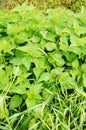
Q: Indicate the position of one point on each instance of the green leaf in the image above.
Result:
(58, 30)
(44, 77)
(31, 102)
(16, 71)
(37, 72)
(66, 81)
(27, 62)
(36, 88)
(32, 122)
(79, 30)
(50, 46)
(21, 37)
(40, 62)
(64, 39)
(35, 39)
(34, 97)
(83, 66)
(56, 57)
(23, 77)
(15, 101)
(76, 49)
(6, 46)
(48, 35)
(75, 73)
(56, 71)
(16, 61)
(75, 64)
(20, 88)
(84, 79)
(76, 41)
(13, 29)
(31, 49)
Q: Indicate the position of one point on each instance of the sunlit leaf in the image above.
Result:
(15, 101)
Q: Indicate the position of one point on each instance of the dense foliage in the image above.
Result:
(42, 69)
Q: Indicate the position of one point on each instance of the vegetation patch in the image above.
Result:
(42, 69)
(75, 5)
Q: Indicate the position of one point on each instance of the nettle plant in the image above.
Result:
(42, 69)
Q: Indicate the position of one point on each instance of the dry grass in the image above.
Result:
(75, 5)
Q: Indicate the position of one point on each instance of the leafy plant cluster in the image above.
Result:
(42, 69)
(75, 5)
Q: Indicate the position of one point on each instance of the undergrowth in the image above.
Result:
(42, 69)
